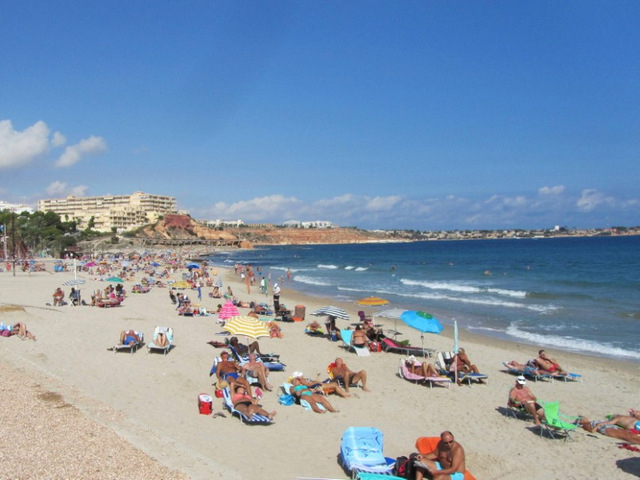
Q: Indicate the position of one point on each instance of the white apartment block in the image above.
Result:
(124, 212)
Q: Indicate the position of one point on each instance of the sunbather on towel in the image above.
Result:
(423, 369)
(20, 329)
(445, 462)
(548, 364)
(615, 430)
(340, 370)
(628, 422)
(305, 393)
(127, 337)
(243, 402)
(258, 370)
(521, 396)
(230, 371)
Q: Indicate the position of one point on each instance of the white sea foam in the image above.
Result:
(349, 267)
(488, 301)
(463, 288)
(329, 267)
(571, 343)
(311, 280)
(361, 269)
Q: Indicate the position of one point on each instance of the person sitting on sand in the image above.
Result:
(340, 371)
(20, 329)
(618, 427)
(423, 369)
(58, 297)
(305, 393)
(548, 364)
(322, 387)
(461, 363)
(445, 462)
(173, 298)
(129, 337)
(258, 370)
(243, 402)
(359, 338)
(230, 371)
(243, 349)
(521, 397)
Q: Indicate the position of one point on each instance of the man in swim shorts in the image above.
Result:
(128, 337)
(521, 396)
(548, 364)
(230, 371)
(445, 462)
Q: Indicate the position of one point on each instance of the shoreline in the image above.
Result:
(149, 400)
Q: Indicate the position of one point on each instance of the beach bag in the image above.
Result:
(401, 467)
(286, 399)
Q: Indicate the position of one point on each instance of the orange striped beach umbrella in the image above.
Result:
(373, 301)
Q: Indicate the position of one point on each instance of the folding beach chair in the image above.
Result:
(557, 424)
(257, 419)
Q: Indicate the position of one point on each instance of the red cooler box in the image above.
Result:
(205, 404)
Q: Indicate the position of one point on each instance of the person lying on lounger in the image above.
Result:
(128, 337)
(243, 402)
(423, 369)
(318, 386)
(341, 371)
(243, 349)
(305, 393)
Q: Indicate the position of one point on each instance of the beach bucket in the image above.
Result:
(205, 404)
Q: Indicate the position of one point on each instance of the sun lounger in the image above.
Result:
(168, 331)
(346, 339)
(361, 450)
(390, 345)
(256, 419)
(404, 372)
(443, 362)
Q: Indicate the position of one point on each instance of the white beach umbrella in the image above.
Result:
(331, 311)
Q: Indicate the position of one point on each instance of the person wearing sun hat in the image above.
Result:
(521, 397)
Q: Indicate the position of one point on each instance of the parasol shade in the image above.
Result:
(422, 321)
(248, 326)
(331, 311)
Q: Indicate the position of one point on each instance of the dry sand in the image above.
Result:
(72, 409)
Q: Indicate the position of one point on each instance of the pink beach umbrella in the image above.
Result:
(228, 310)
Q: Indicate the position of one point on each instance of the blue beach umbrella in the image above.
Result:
(421, 321)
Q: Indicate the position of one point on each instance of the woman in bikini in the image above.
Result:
(423, 369)
(304, 393)
(243, 402)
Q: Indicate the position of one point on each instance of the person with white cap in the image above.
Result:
(520, 396)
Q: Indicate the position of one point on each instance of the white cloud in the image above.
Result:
(56, 189)
(21, 148)
(383, 203)
(256, 209)
(57, 140)
(74, 153)
(592, 199)
(557, 190)
(61, 189)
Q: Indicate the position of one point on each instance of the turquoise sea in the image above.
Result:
(574, 294)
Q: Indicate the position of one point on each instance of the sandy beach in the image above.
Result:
(71, 408)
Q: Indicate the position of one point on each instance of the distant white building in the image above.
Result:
(123, 212)
(223, 223)
(15, 207)
(314, 224)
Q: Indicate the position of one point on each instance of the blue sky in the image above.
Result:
(423, 115)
